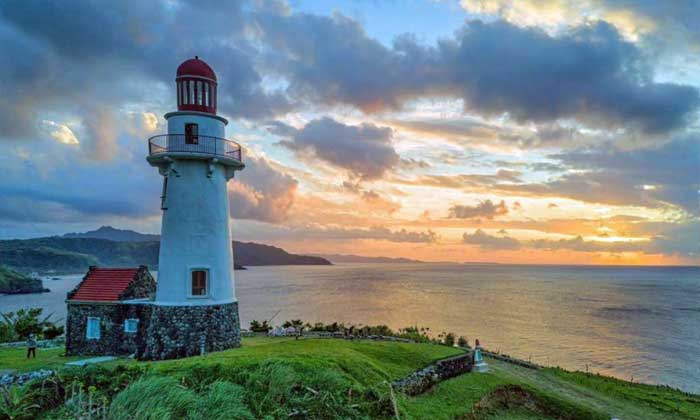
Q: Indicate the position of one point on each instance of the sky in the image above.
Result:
(552, 131)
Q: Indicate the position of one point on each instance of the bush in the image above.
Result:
(449, 340)
(18, 325)
(256, 326)
(52, 331)
(462, 342)
(16, 403)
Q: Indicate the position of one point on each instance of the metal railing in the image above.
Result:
(206, 145)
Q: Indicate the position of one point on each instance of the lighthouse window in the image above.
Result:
(191, 133)
(199, 282)
(199, 93)
(206, 94)
(190, 99)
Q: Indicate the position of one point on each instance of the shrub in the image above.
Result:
(52, 331)
(18, 325)
(462, 342)
(256, 326)
(16, 403)
(449, 340)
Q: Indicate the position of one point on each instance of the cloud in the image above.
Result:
(588, 73)
(655, 177)
(375, 233)
(486, 241)
(637, 20)
(486, 209)
(669, 238)
(365, 151)
(262, 192)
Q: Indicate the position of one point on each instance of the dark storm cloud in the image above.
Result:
(590, 74)
(365, 151)
(486, 209)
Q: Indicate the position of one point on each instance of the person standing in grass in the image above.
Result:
(31, 346)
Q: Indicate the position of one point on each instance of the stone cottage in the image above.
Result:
(108, 312)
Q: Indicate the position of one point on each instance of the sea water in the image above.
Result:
(640, 323)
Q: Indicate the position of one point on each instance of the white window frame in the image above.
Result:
(133, 322)
(90, 333)
(207, 290)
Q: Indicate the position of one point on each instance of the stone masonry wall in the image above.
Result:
(143, 286)
(113, 339)
(420, 381)
(182, 331)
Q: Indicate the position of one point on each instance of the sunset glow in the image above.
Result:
(495, 131)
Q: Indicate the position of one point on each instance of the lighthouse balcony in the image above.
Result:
(186, 146)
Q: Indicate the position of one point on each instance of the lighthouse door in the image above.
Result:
(191, 133)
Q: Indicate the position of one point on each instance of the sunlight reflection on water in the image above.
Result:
(640, 322)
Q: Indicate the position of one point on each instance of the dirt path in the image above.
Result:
(618, 409)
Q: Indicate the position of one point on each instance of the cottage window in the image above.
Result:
(92, 332)
(131, 325)
(199, 282)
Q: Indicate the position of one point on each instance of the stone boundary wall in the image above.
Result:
(511, 360)
(422, 380)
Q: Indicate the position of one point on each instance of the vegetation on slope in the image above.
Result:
(12, 282)
(283, 378)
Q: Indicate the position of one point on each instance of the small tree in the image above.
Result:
(256, 326)
(18, 325)
(462, 342)
(449, 340)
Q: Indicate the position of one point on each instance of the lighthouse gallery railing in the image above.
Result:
(206, 145)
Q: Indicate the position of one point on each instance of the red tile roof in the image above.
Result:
(105, 284)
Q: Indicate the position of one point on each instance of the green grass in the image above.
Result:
(364, 362)
(331, 378)
(14, 359)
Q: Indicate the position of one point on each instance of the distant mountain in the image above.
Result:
(113, 234)
(340, 258)
(75, 253)
(250, 253)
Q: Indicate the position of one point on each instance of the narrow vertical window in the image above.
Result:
(206, 94)
(92, 330)
(191, 133)
(199, 282)
(191, 100)
(199, 92)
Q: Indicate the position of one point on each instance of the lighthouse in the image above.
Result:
(195, 308)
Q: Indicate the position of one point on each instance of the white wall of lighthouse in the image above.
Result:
(195, 232)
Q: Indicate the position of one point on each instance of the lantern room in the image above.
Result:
(196, 86)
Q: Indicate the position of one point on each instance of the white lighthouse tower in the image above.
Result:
(195, 308)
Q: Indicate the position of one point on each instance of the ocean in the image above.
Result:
(639, 323)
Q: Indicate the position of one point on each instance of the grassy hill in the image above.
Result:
(12, 282)
(280, 378)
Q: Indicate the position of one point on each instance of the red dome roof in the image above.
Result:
(196, 67)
